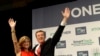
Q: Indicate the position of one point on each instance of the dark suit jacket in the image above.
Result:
(47, 49)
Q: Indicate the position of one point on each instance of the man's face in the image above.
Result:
(40, 37)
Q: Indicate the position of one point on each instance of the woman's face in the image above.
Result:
(26, 44)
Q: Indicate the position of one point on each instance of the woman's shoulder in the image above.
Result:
(18, 54)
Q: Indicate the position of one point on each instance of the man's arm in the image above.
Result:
(61, 27)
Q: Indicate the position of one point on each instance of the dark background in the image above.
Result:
(23, 15)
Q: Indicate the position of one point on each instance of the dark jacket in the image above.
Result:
(47, 49)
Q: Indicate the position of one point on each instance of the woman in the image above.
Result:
(22, 48)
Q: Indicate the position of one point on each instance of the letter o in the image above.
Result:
(73, 12)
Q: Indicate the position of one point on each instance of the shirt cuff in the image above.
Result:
(63, 23)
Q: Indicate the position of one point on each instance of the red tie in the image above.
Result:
(39, 50)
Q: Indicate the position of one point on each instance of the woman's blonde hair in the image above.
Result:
(22, 40)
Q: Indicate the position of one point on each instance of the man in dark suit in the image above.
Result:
(46, 48)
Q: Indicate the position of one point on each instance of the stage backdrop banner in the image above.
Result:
(77, 39)
(81, 36)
